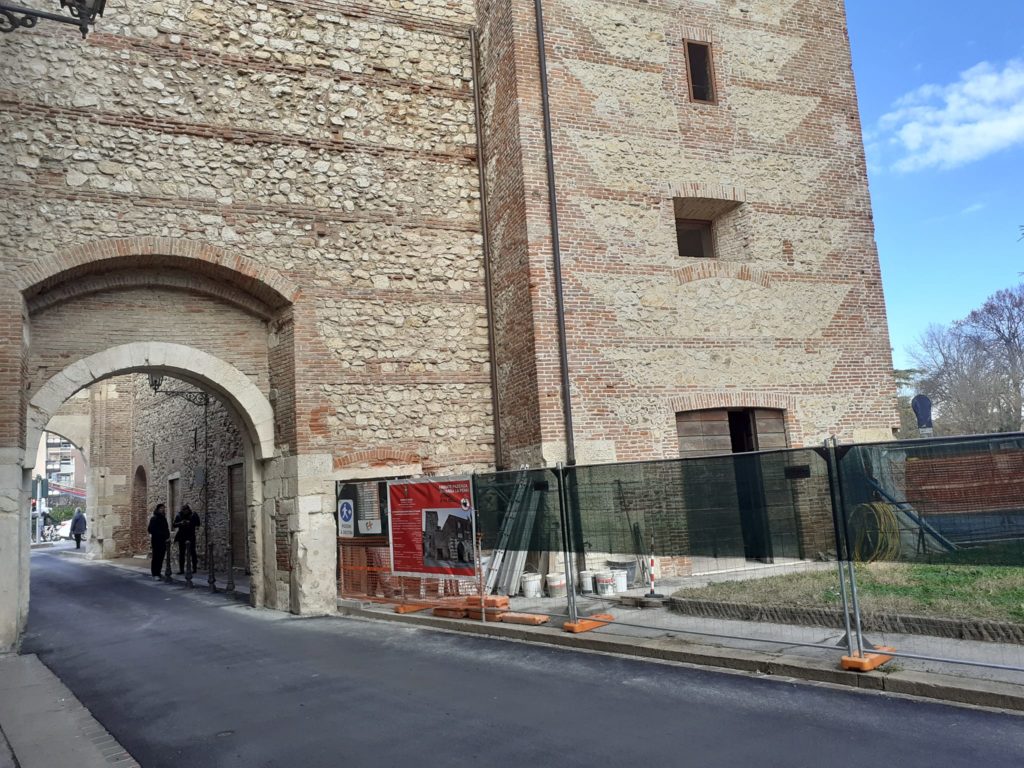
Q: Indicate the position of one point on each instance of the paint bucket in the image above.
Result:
(605, 582)
(586, 582)
(530, 585)
(556, 584)
(629, 566)
(621, 580)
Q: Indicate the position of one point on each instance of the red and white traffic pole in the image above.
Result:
(650, 570)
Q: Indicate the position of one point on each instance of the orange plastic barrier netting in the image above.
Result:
(364, 573)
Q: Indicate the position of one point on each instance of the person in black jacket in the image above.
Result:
(159, 533)
(186, 523)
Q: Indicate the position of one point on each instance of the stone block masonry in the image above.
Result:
(330, 141)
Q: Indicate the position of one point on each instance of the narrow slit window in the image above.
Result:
(699, 68)
(694, 239)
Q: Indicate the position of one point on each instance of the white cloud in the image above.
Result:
(974, 208)
(947, 126)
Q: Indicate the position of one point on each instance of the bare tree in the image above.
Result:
(998, 326)
(968, 384)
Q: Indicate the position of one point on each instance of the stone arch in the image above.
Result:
(139, 515)
(177, 360)
(72, 432)
(110, 255)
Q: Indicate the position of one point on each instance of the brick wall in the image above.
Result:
(334, 144)
(790, 310)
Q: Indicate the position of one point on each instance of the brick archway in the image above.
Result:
(107, 255)
(177, 360)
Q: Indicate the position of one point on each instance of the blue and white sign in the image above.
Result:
(346, 518)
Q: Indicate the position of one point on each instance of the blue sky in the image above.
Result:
(941, 90)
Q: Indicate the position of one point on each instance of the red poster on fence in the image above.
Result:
(433, 527)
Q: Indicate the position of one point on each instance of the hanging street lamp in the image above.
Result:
(83, 15)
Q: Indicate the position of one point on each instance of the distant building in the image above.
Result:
(64, 471)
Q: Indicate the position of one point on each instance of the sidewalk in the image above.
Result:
(140, 565)
(43, 725)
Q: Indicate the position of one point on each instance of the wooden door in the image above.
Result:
(239, 523)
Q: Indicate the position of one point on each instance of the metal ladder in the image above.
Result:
(507, 526)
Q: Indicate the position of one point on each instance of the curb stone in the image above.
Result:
(945, 688)
(955, 629)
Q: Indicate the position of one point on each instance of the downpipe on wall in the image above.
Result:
(481, 166)
(556, 250)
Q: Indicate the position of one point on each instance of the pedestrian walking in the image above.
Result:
(185, 523)
(78, 525)
(159, 533)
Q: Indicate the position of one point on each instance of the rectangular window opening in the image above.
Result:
(694, 239)
(699, 68)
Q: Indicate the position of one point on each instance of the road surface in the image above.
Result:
(191, 679)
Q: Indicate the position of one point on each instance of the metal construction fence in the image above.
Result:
(917, 546)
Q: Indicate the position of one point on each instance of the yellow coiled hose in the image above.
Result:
(875, 532)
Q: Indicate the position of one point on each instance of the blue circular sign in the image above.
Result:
(345, 510)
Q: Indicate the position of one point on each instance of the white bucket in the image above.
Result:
(587, 582)
(621, 580)
(556, 584)
(530, 585)
(605, 582)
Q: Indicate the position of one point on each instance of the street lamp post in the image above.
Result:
(83, 15)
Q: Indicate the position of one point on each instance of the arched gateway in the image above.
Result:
(195, 315)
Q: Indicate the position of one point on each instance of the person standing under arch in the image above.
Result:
(159, 533)
(78, 526)
(185, 523)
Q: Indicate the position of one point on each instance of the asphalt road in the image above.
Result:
(190, 679)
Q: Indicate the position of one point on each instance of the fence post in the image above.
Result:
(849, 552)
(211, 578)
(230, 587)
(832, 465)
(190, 547)
(563, 512)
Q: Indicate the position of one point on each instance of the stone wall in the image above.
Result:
(171, 439)
(330, 142)
(108, 487)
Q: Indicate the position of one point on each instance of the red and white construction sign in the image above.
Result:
(433, 527)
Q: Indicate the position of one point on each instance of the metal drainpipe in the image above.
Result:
(556, 250)
(481, 163)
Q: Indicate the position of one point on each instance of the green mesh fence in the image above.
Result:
(759, 506)
(957, 502)
(518, 510)
(755, 506)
